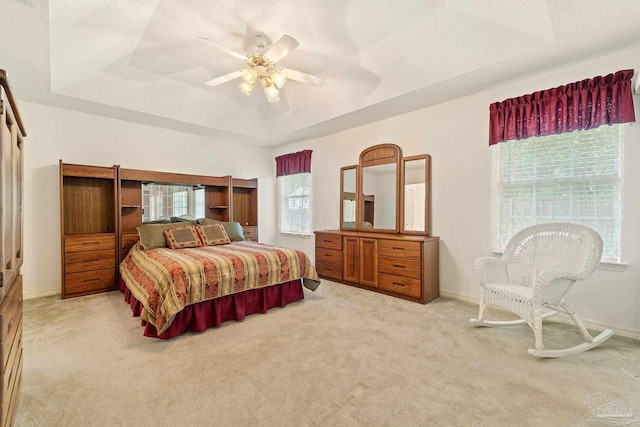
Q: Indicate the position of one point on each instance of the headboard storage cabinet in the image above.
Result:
(101, 208)
(225, 198)
(383, 243)
(12, 136)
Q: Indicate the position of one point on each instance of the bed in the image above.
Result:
(174, 290)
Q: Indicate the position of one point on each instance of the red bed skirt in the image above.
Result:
(211, 313)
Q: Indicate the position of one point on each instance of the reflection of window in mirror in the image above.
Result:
(379, 187)
(163, 201)
(349, 211)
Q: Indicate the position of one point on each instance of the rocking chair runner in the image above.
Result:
(537, 269)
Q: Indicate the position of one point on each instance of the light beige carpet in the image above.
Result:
(341, 357)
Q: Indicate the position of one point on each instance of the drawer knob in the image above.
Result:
(398, 284)
(10, 324)
(91, 260)
(398, 266)
(91, 280)
(398, 249)
(91, 243)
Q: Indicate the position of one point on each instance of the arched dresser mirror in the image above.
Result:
(379, 178)
(383, 243)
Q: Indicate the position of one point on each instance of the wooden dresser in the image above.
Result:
(12, 136)
(404, 266)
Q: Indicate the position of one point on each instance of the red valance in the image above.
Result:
(582, 105)
(293, 163)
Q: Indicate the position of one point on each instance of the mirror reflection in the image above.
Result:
(161, 202)
(379, 196)
(415, 192)
(349, 198)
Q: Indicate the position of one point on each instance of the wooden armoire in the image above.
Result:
(12, 136)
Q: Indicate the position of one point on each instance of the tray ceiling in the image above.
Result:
(141, 60)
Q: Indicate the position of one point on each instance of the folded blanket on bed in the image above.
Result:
(166, 280)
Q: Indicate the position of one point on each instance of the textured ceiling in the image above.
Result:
(141, 60)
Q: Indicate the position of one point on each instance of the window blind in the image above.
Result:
(295, 206)
(571, 177)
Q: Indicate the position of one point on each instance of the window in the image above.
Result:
(199, 202)
(180, 203)
(295, 206)
(571, 177)
(162, 201)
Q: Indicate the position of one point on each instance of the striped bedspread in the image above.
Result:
(166, 280)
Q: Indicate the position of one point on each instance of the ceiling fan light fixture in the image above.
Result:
(262, 67)
(249, 76)
(271, 91)
(278, 77)
(246, 88)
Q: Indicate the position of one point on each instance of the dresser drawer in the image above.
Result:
(328, 255)
(14, 364)
(12, 391)
(10, 322)
(251, 233)
(91, 260)
(399, 249)
(89, 281)
(126, 243)
(128, 240)
(89, 242)
(329, 241)
(330, 270)
(400, 266)
(400, 285)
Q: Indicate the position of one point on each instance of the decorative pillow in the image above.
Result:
(182, 237)
(234, 229)
(213, 234)
(152, 235)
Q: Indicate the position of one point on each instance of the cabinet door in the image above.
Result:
(350, 256)
(369, 262)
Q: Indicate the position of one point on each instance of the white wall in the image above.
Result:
(54, 134)
(455, 134)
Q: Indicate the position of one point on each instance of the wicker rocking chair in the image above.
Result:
(538, 267)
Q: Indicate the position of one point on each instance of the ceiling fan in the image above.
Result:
(263, 67)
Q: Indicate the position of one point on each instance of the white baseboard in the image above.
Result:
(561, 317)
(41, 294)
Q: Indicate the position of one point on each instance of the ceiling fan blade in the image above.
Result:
(224, 49)
(223, 79)
(281, 48)
(303, 77)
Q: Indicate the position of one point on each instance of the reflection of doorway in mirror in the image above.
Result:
(414, 206)
(349, 210)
